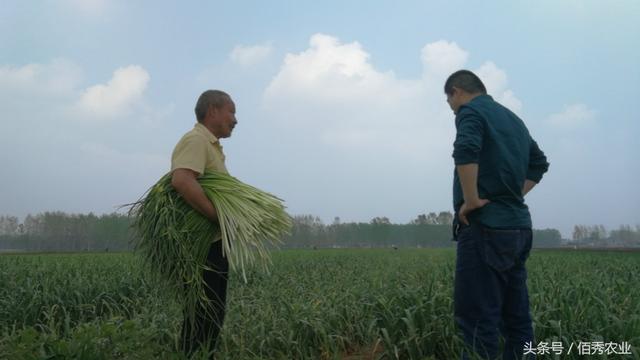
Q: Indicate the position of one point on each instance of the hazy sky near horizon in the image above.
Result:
(340, 104)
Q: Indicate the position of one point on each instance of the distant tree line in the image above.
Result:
(309, 231)
(426, 230)
(597, 236)
(59, 231)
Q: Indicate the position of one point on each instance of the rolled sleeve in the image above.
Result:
(538, 164)
(468, 143)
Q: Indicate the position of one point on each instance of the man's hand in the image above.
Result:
(468, 174)
(468, 207)
(528, 185)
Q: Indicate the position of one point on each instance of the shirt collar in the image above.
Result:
(482, 97)
(208, 134)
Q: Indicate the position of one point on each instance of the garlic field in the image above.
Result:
(322, 304)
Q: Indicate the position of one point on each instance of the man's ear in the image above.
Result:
(212, 111)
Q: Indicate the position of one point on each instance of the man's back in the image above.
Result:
(497, 140)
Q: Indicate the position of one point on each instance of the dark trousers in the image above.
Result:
(204, 331)
(490, 293)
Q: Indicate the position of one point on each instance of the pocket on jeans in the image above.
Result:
(466, 236)
(467, 252)
(500, 248)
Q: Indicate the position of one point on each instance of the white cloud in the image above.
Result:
(328, 71)
(250, 55)
(117, 96)
(495, 79)
(32, 98)
(58, 78)
(441, 58)
(573, 117)
(40, 105)
(53, 91)
(355, 130)
(333, 89)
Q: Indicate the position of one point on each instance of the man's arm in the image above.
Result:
(538, 165)
(468, 174)
(466, 154)
(185, 181)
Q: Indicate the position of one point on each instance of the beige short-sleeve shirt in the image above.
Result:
(198, 150)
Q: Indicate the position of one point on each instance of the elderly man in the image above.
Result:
(496, 164)
(197, 151)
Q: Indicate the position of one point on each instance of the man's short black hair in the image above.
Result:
(215, 98)
(465, 80)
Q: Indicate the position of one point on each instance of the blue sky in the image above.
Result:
(340, 106)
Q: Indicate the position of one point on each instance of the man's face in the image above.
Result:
(454, 100)
(224, 119)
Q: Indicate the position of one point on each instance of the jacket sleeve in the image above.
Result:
(538, 164)
(468, 143)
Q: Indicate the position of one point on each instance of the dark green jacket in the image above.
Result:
(493, 137)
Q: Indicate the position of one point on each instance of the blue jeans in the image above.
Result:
(490, 293)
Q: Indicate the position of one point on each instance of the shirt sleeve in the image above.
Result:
(468, 143)
(190, 153)
(538, 164)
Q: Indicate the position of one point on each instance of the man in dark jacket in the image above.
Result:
(496, 164)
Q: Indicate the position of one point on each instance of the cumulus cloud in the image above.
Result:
(441, 58)
(332, 90)
(377, 133)
(116, 96)
(328, 71)
(495, 79)
(374, 131)
(250, 55)
(54, 90)
(40, 105)
(573, 117)
(60, 77)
